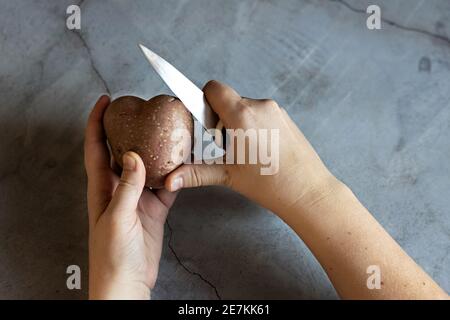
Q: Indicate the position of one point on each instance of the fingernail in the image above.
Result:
(177, 184)
(129, 163)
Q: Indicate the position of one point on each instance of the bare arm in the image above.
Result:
(325, 214)
(350, 245)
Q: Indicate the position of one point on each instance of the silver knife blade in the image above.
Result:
(191, 96)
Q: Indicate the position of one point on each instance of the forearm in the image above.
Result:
(346, 240)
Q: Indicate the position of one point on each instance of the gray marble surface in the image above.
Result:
(375, 104)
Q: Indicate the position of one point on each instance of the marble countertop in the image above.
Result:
(374, 103)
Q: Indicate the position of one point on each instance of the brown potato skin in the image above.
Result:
(133, 124)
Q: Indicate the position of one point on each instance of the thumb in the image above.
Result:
(191, 175)
(129, 190)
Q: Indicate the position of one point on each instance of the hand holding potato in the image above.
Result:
(126, 221)
(146, 127)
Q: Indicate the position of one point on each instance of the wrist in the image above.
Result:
(117, 288)
(321, 188)
(320, 208)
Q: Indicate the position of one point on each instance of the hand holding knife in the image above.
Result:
(192, 97)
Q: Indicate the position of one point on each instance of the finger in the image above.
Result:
(96, 155)
(188, 176)
(131, 184)
(153, 210)
(223, 99)
(166, 197)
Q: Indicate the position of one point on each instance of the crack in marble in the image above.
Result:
(170, 245)
(91, 61)
(397, 25)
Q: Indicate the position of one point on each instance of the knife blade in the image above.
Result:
(191, 96)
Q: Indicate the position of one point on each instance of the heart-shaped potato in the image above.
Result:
(146, 127)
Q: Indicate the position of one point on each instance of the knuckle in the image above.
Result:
(250, 116)
(244, 110)
(245, 102)
(270, 103)
(124, 183)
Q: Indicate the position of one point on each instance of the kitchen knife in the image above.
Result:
(192, 97)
